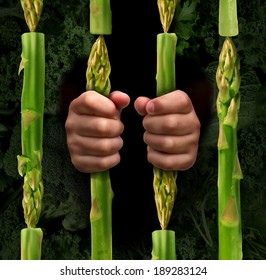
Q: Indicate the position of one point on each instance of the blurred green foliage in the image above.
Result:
(66, 229)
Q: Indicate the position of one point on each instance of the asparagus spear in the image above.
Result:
(229, 170)
(164, 183)
(32, 110)
(100, 17)
(97, 76)
(163, 245)
(228, 23)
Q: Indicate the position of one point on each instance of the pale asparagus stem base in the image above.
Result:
(164, 247)
(229, 170)
(228, 22)
(97, 76)
(101, 216)
(31, 243)
(100, 17)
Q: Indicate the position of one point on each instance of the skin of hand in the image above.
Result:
(93, 129)
(172, 130)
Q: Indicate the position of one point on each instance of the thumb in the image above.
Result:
(120, 99)
(141, 105)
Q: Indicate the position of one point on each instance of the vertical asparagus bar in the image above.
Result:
(228, 22)
(97, 76)
(229, 170)
(100, 17)
(101, 192)
(163, 245)
(32, 110)
(164, 182)
(228, 104)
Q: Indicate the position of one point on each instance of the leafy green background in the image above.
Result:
(66, 234)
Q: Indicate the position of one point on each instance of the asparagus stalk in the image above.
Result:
(163, 245)
(97, 76)
(228, 23)
(32, 110)
(101, 17)
(164, 183)
(229, 170)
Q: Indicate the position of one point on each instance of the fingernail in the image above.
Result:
(150, 107)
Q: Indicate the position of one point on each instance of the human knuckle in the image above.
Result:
(197, 124)
(187, 162)
(166, 165)
(71, 144)
(146, 137)
(118, 129)
(167, 144)
(102, 126)
(109, 146)
(108, 162)
(69, 124)
(72, 106)
(77, 163)
(184, 100)
(102, 164)
(171, 124)
(192, 142)
(104, 146)
(90, 98)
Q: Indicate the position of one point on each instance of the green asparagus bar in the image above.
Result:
(166, 53)
(229, 170)
(31, 236)
(163, 245)
(164, 182)
(100, 17)
(32, 110)
(32, 107)
(97, 75)
(228, 23)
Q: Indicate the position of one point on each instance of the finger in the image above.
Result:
(120, 99)
(93, 103)
(92, 126)
(140, 105)
(173, 124)
(85, 146)
(90, 164)
(164, 161)
(172, 144)
(173, 102)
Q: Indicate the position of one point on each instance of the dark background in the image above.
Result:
(66, 203)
